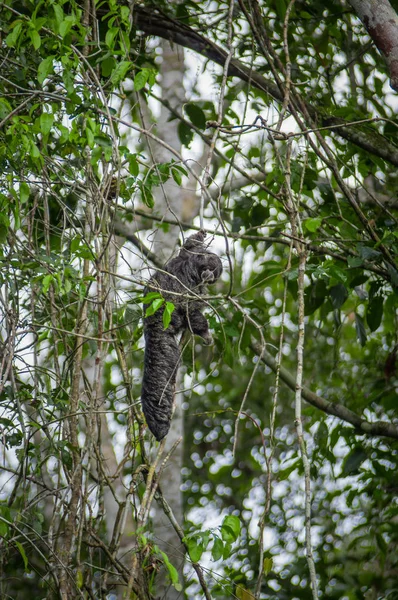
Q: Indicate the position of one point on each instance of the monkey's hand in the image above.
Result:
(208, 276)
(208, 339)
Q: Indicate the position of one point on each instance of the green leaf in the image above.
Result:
(46, 122)
(176, 176)
(195, 549)
(79, 579)
(227, 550)
(59, 13)
(322, 433)
(107, 66)
(66, 25)
(154, 307)
(360, 329)
(230, 528)
(133, 165)
(45, 68)
(149, 297)
(393, 274)
(35, 39)
(338, 295)
(110, 36)
(218, 549)
(3, 529)
(353, 461)
(316, 297)
(196, 115)
(5, 108)
(168, 311)
(280, 6)
(243, 594)
(23, 554)
(12, 37)
(140, 79)
(313, 224)
(268, 564)
(147, 196)
(172, 572)
(368, 253)
(46, 283)
(125, 13)
(374, 313)
(103, 140)
(185, 134)
(354, 261)
(24, 191)
(285, 472)
(121, 70)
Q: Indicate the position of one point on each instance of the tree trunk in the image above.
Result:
(381, 22)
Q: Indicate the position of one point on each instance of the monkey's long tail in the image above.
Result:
(161, 361)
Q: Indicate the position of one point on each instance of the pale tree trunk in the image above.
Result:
(170, 201)
(381, 22)
(104, 464)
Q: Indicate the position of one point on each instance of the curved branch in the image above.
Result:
(381, 22)
(125, 230)
(379, 428)
(153, 22)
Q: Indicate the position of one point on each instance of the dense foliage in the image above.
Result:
(289, 109)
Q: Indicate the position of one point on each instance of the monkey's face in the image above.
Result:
(209, 267)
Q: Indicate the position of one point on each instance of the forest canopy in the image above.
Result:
(125, 127)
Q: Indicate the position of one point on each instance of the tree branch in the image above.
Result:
(153, 22)
(379, 428)
(381, 22)
(125, 230)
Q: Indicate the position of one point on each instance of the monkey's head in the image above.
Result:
(203, 266)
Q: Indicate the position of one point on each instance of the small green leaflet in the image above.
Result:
(35, 39)
(196, 115)
(172, 571)
(147, 196)
(79, 579)
(353, 461)
(110, 36)
(360, 329)
(12, 37)
(168, 311)
(66, 25)
(338, 295)
(24, 191)
(268, 563)
(195, 549)
(149, 297)
(218, 548)
(313, 224)
(45, 68)
(47, 280)
(374, 313)
(176, 171)
(46, 122)
(230, 528)
(120, 72)
(185, 134)
(23, 554)
(144, 76)
(152, 308)
(3, 529)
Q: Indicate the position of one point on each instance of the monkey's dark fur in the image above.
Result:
(185, 275)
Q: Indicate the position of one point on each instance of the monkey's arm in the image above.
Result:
(198, 325)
